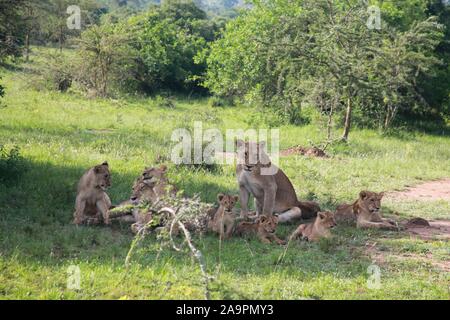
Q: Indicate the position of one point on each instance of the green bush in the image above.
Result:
(59, 72)
(12, 164)
(164, 102)
(218, 102)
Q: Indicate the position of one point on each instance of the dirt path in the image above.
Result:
(427, 191)
(431, 190)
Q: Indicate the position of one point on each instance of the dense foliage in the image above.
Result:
(286, 54)
(282, 55)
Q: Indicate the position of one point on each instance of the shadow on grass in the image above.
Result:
(35, 227)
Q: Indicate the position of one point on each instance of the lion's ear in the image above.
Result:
(321, 215)
(236, 198)
(220, 196)
(263, 219)
(105, 164)
(363, 194)
(381, 195)
(97, 169)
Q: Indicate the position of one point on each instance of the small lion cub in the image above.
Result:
(222, 220)
(264, 227)
(320, 228)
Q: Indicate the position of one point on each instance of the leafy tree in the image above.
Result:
(284, 54)
(167, 39)
(104, 57)
(11, 27)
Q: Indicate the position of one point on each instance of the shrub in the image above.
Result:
(59, 72)
(164, 102)
(217, 101)
(12, 164)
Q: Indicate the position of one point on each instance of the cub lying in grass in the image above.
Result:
(317, 230)
(222, 220)
(264, 227)
(366, 212)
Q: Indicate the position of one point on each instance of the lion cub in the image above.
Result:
(366, 212)
(92, 203)
(264, 226)
(222, 220)
(320, 228)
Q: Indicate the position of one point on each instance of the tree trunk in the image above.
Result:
(27, 46)
(60, 39)
(348, 120)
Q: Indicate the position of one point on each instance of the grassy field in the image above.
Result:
(61, 135)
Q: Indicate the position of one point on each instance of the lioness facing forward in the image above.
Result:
(92, 203)
(271, 188)
(366, 212)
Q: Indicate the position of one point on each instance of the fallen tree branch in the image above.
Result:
(197, 253)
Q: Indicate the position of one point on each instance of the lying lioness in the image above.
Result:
(366, 212)
(320, 228)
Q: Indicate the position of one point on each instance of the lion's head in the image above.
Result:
(227, 201)
(143, 186)
(142, 190)
(326, 219)
(269, 224)
(370, 201)
(102, 176)
(154, 175)
(252, 154)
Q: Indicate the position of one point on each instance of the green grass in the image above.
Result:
(61, 135)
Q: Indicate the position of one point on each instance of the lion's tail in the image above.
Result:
(309, 209)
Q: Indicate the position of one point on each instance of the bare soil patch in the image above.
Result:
(437, 229)
(428, 191)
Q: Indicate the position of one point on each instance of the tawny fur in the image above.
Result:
(264, 227)
(150, 186)
(366, 212)
(317, 230)
(222, 220)
(270, 187)
(92, 203)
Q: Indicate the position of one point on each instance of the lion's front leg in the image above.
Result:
(258, 207)
(273, 237)
(80, 207)
(375, 225)
(269, 200)
(263, 239)
(298, 232)
(244, 196)
(103, 208)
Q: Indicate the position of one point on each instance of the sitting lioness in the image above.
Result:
(264, 227)
(270, 187)
(222, 220)
(317, 230)
(92, 203)
(366, 212)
